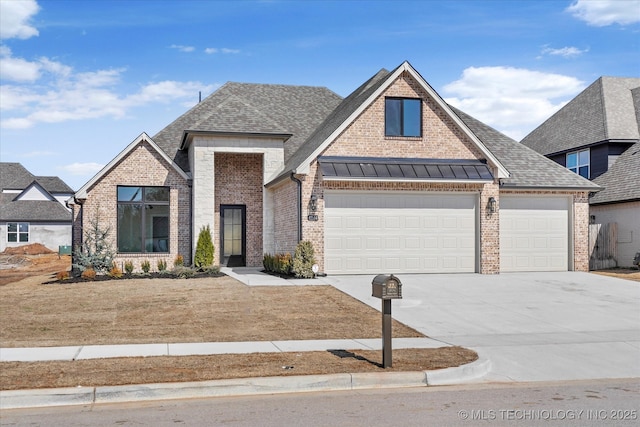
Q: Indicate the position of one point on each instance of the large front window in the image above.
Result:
(143, 219)
(402, 117)
(18, 232)
(578, 162)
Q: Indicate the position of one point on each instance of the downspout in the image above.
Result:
(299, 205)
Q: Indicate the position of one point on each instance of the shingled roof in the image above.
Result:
(292, 112)
(622, 181)
(603, 111)
(528, 168)
(14, 177)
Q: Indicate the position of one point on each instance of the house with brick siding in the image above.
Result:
(389, 179)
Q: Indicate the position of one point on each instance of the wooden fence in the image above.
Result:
(603, 246)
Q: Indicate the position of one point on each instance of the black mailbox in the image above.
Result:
(386, 286)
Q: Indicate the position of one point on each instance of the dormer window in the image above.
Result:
(403, 117)
(578, 162)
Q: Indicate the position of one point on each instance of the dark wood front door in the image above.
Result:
(233, 235)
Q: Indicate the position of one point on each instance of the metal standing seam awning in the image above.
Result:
(404, 169)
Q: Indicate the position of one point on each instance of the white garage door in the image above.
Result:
(369, 233)
(534, 233)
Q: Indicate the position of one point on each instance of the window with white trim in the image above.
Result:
(18, 232)
(578, 162)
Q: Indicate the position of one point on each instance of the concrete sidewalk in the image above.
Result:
(70, 353)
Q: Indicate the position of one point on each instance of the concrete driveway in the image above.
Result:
(532, 326)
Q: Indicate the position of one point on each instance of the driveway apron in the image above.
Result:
(532, 326)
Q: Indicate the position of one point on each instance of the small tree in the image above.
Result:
(96, 252)
(204, 249)
(303, 260)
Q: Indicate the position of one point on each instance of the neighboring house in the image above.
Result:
(619, 203)
(389, 179)
(589, 133)
(588, 136)
(32, 209)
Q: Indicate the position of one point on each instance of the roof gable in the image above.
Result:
(34, 191)
(352, 106)
(603, 111)
(282, 110)
(142, 138)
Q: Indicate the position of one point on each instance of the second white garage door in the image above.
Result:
(534, 233)
(370, 233)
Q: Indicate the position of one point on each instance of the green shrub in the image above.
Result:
(146, 266)
(162, 265)
(204, 249)
(303, 260)
(128, 267)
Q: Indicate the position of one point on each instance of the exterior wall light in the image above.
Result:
(491, 205)
(313, 203)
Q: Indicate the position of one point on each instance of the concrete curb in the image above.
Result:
(241, 386)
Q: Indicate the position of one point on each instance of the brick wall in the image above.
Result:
(581, 231)
(238, 181)
(142, 166)
(286, 216)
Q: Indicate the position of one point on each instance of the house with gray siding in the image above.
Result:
(389, 179)
(32, 209)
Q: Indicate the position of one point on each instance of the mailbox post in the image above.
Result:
(386, 287)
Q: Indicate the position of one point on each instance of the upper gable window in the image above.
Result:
(402, 117)
(578, 162)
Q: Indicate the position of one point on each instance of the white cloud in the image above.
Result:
(182, 48)
(14, 19)
(513, 100)
(61, 95)
(600, 13)
(225, 50)
(566, 52)
(82, 169)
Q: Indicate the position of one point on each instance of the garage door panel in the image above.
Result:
(401, 232)
(534, 233)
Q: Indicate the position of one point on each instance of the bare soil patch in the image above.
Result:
(34, 314)
(621, 273)
(36, 268)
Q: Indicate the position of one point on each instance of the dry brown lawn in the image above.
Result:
(621, 273)
(34, 314)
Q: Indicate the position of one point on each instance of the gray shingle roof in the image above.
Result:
(622, 181)
(603, 111)
(252, 108)
(528, 169)
(32, 210)
(14, 176)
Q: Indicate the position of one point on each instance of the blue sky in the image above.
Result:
(81, 79)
